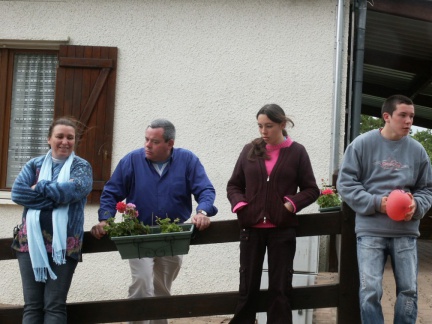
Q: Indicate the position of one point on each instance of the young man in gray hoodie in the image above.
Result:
(375, 164)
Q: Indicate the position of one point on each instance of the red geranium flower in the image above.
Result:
(328, 197)
(121, 207)
(327, 192)
(130, 224)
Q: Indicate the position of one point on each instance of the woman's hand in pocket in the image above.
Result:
(289, 206)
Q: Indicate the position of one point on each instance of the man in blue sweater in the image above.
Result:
(160, 180)
(375, 164)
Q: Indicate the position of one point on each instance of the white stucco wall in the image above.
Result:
(208, 66)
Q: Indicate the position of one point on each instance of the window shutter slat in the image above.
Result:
(85, 62)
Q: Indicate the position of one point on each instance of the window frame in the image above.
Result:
(7, 58)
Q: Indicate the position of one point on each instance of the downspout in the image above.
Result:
(358, 71)
(335, 139)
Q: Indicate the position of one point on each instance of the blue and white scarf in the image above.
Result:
(37, 249)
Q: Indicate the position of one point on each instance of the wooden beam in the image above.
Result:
(396, 62)
(180, 306)
(218, 232)
(414, 9)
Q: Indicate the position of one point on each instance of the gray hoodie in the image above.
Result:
(374, 166)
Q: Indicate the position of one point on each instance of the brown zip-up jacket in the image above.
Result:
(291, 177)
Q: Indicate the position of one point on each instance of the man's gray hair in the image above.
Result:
(168, 127)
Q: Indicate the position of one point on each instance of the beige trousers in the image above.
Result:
(152, 277)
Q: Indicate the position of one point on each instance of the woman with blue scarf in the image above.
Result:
(53, 190)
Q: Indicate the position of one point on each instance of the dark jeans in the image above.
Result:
(281, 246)
(45, 302)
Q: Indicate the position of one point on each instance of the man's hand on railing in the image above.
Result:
(98, 230)
(201, 221)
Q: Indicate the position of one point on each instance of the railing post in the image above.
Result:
(349, 307)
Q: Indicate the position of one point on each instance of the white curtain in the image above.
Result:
(32, 109)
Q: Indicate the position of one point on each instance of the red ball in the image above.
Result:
(398, 203)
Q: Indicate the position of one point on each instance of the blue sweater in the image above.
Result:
(374, 166)
(170, 194)
(48, 195)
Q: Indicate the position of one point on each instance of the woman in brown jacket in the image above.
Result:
(272, 181)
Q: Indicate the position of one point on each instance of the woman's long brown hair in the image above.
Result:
(276, 114)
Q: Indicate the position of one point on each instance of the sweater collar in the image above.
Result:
(287, 143)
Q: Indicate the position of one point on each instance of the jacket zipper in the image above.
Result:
(265, 218)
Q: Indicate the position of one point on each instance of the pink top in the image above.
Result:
(273, 153)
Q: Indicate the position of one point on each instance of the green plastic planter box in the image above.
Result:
(329, 209)
(155, 244)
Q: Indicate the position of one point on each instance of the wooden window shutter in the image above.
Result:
(85, 89)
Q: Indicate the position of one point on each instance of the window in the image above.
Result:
(37, 86)
(32, 109)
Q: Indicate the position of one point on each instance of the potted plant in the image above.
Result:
(329, 199)
(136, 240)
